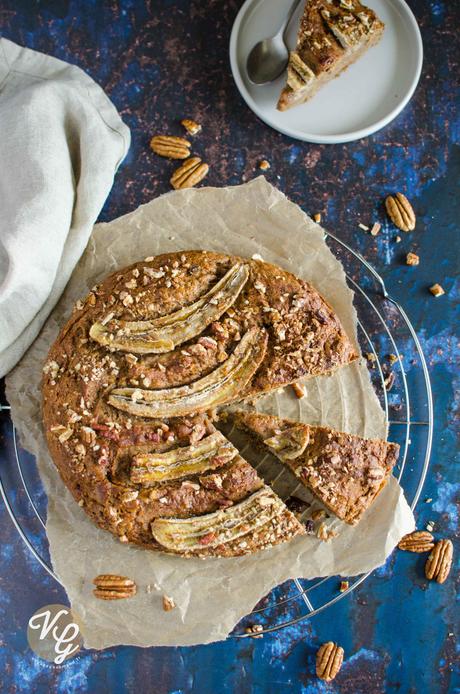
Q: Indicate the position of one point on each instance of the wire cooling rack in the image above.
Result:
(383, 329)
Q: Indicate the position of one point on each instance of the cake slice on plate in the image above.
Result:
(345, 472)
(332, 35)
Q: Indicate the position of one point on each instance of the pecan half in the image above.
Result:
(329, 660)
(438, 564)
(189, 174)
(400, 212)
(170, 146)
(418, 541)
(113, 587)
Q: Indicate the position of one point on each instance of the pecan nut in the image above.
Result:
(191, 126)
(437, 290)
(438, 564)
(329, 660)
(418, 541)
(189, 174)
(170, 146)
(113, 587)
(299, 390)
(400, 212)
(168, 603)
(412, 259)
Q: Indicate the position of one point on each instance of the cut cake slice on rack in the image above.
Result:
(345, 472)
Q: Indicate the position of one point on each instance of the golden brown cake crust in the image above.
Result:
(93, 443)
(345, 472)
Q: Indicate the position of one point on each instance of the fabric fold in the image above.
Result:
(61, 142)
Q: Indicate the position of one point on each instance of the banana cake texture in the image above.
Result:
(133, 382)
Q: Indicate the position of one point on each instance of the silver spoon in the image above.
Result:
(269, 58)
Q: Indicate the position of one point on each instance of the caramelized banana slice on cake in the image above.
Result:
(290, 443)
(165, 333)
(209, 453)
(222, 385)
(251, 518)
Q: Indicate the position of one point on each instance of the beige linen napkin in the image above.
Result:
(61, 142)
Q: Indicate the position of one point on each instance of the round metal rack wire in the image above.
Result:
(403, 386)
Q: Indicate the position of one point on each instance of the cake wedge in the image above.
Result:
(345, 472)
(332, 35)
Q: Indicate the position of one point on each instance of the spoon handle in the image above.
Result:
(285, 24)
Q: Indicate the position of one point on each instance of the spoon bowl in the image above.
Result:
(267, 60)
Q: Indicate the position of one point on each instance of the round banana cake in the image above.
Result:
(135, 381)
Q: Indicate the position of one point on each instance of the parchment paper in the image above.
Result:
(211, 595)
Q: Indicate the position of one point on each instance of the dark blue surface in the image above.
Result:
(162, 61)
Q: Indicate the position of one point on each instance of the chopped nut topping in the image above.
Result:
(344, 585)
(318, 514)
(317, 217)
(412, 259)
(389, 381)
(437, 290)
(191, 126)
(375, 229)
(363, 226)
(264, 165)
(168, 603)
(64, 433)
(260, 287)
(255, 630)
(322, 532)
(299, 390)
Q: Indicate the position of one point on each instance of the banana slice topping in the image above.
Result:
(222, 385)
(210, 453)
(290, 443)
(165, 333)
(220, 527)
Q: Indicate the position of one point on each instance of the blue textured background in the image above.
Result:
(165, 60)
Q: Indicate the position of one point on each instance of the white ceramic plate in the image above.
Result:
(363, 99)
